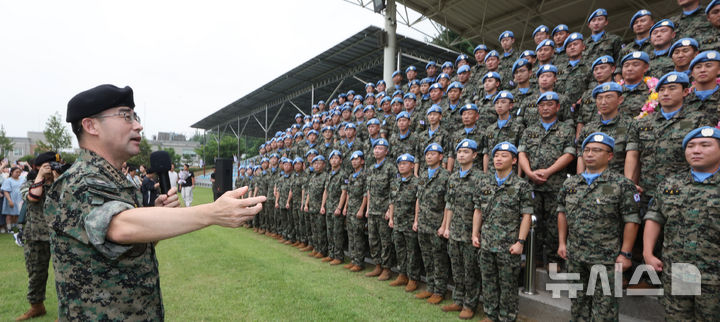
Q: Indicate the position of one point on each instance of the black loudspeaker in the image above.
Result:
(223, 175)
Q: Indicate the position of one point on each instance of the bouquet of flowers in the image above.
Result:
(652, 101)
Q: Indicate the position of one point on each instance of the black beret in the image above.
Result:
(47, 157)
(98, 99)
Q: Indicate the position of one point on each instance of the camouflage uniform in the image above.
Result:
(661, 152)
(623, 129)
(511, 132)
(95, 278)
(299, 217)
(476, 134)
(693, 25)
(239, 181)
(596, 215)
(260, 219)
(463, 256)
(334, 186)
(346, 150)
(633, 46)
(451, 118)
(324, 148)
(400, 145)
(379, 177)
(660, 65)
(314, 190)
(634, 99)
(688, 212)
(283, 186)
(710, 106)
(573, 81)
(36, 248)
(357, 240)
(528, 108)
(543, 148)
(502, 209)
(367, 149)
(424, 139)
(486, 110)
(709, 40)
(431, 196)
(403, 193)
(505, 69)
(586, 110)
(609, 44)
(272, 220)
(518, 97)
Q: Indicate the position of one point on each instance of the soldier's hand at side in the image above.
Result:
(516, 249)
(306, 208)
(337, 212)
(415, 228)
(322, 210)
(390, 223)
(639, 189)
(655, 262)
(440, 232)
(276, 205)
(231, 211)
(359, 214)
(446, 234)
(626, 263)
(287, 205)
(562, 251)
(169, 200)
(476, 241)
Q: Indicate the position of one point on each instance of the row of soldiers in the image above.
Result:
(518, 128)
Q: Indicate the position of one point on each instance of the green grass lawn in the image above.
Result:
(235, 274)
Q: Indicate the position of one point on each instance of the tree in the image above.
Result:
(452, 40)
(143, 158)
(174, 157)
(6, 145)
(57, 135)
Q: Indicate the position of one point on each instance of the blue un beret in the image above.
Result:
(640, 13)
(546, 69)
(461, 57)
(334, 153)
(373, 121)
(492, 53)
(504, 146)
(410, 96)
(520, 63)
(403, 114)
(480, 47)
(357, 154)
(396, 100)
(433, 147)
(673, 77)
(540, 28)
(600, 12)
(492, 75)
(701, 132)
(599, 137)
(430, 64)
(546, 42)
(463, 69)
(350, 125)
(602, 60)
(469, 107)
(98, 99)
(711, 5)
(405, 157)
(319, 158)
(663, 23)
(395, 73)
(298, 160)
(368, 108)
(506, 34)
(573, 36)
(454, 85)
(442, 75)
(285, 160)
(527, 53)
(503, 94)
(381, 141)
(559, 28)
(607, 87)
(466, 144)
(410, 68)
(434, 108)
(548, 96)
(639, 55)
(447, 64)
(436, 86)
(709, 55)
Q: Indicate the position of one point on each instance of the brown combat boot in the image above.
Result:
(37, 309)
(423, 295)
(312, 254)
(319, 255)
(307, 248)
(451, 308)
(385, 275)
(348, 265)
(411, 286)
(400, 280)
(287, 242)
(466, 314)
(336, 262)
(326, 259)
(356, 268)
(486, 319)
(374, 272)
(435, 298)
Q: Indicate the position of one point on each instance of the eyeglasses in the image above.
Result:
(128, 115)
(595, 150)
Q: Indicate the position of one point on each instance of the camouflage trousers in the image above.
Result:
(339, 236)
(304, 224)
(282, 215)
(598, 306)
(37, 259)
(380, 240)
(357, 239)
(545, 208)
(703, 307)
(407, 253)
(329, 231)
(434, 252)
(319, 233)
(465, 272)
(500, 273)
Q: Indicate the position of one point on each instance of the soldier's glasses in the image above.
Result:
(128, 115)
(595, 150)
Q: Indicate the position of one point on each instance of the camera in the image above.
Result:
(59, 167)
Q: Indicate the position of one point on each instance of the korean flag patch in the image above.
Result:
(636, 197)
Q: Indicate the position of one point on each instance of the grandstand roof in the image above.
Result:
(484, 21)
(347, 65)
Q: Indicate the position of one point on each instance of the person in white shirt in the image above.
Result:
(173, 176)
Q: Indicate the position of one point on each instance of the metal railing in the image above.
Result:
(530, 259)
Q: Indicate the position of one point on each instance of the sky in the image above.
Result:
(183, 59)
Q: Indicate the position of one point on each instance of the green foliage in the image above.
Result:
(143, 158)
(174, 157)
(452, 40)
(57, 135)
(6, 145)
(68, 157)
(26, 158)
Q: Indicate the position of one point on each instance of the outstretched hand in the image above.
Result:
(231, 211)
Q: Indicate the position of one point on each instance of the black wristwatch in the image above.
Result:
(521, 241)
(626, 254)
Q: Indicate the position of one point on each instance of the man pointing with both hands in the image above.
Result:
(102, 241)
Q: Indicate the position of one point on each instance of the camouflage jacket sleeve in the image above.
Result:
(526, 199)
(561, 196)
(630, 210)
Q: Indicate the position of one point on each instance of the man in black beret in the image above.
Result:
(102, 241)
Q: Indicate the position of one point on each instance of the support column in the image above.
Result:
(391, 46)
